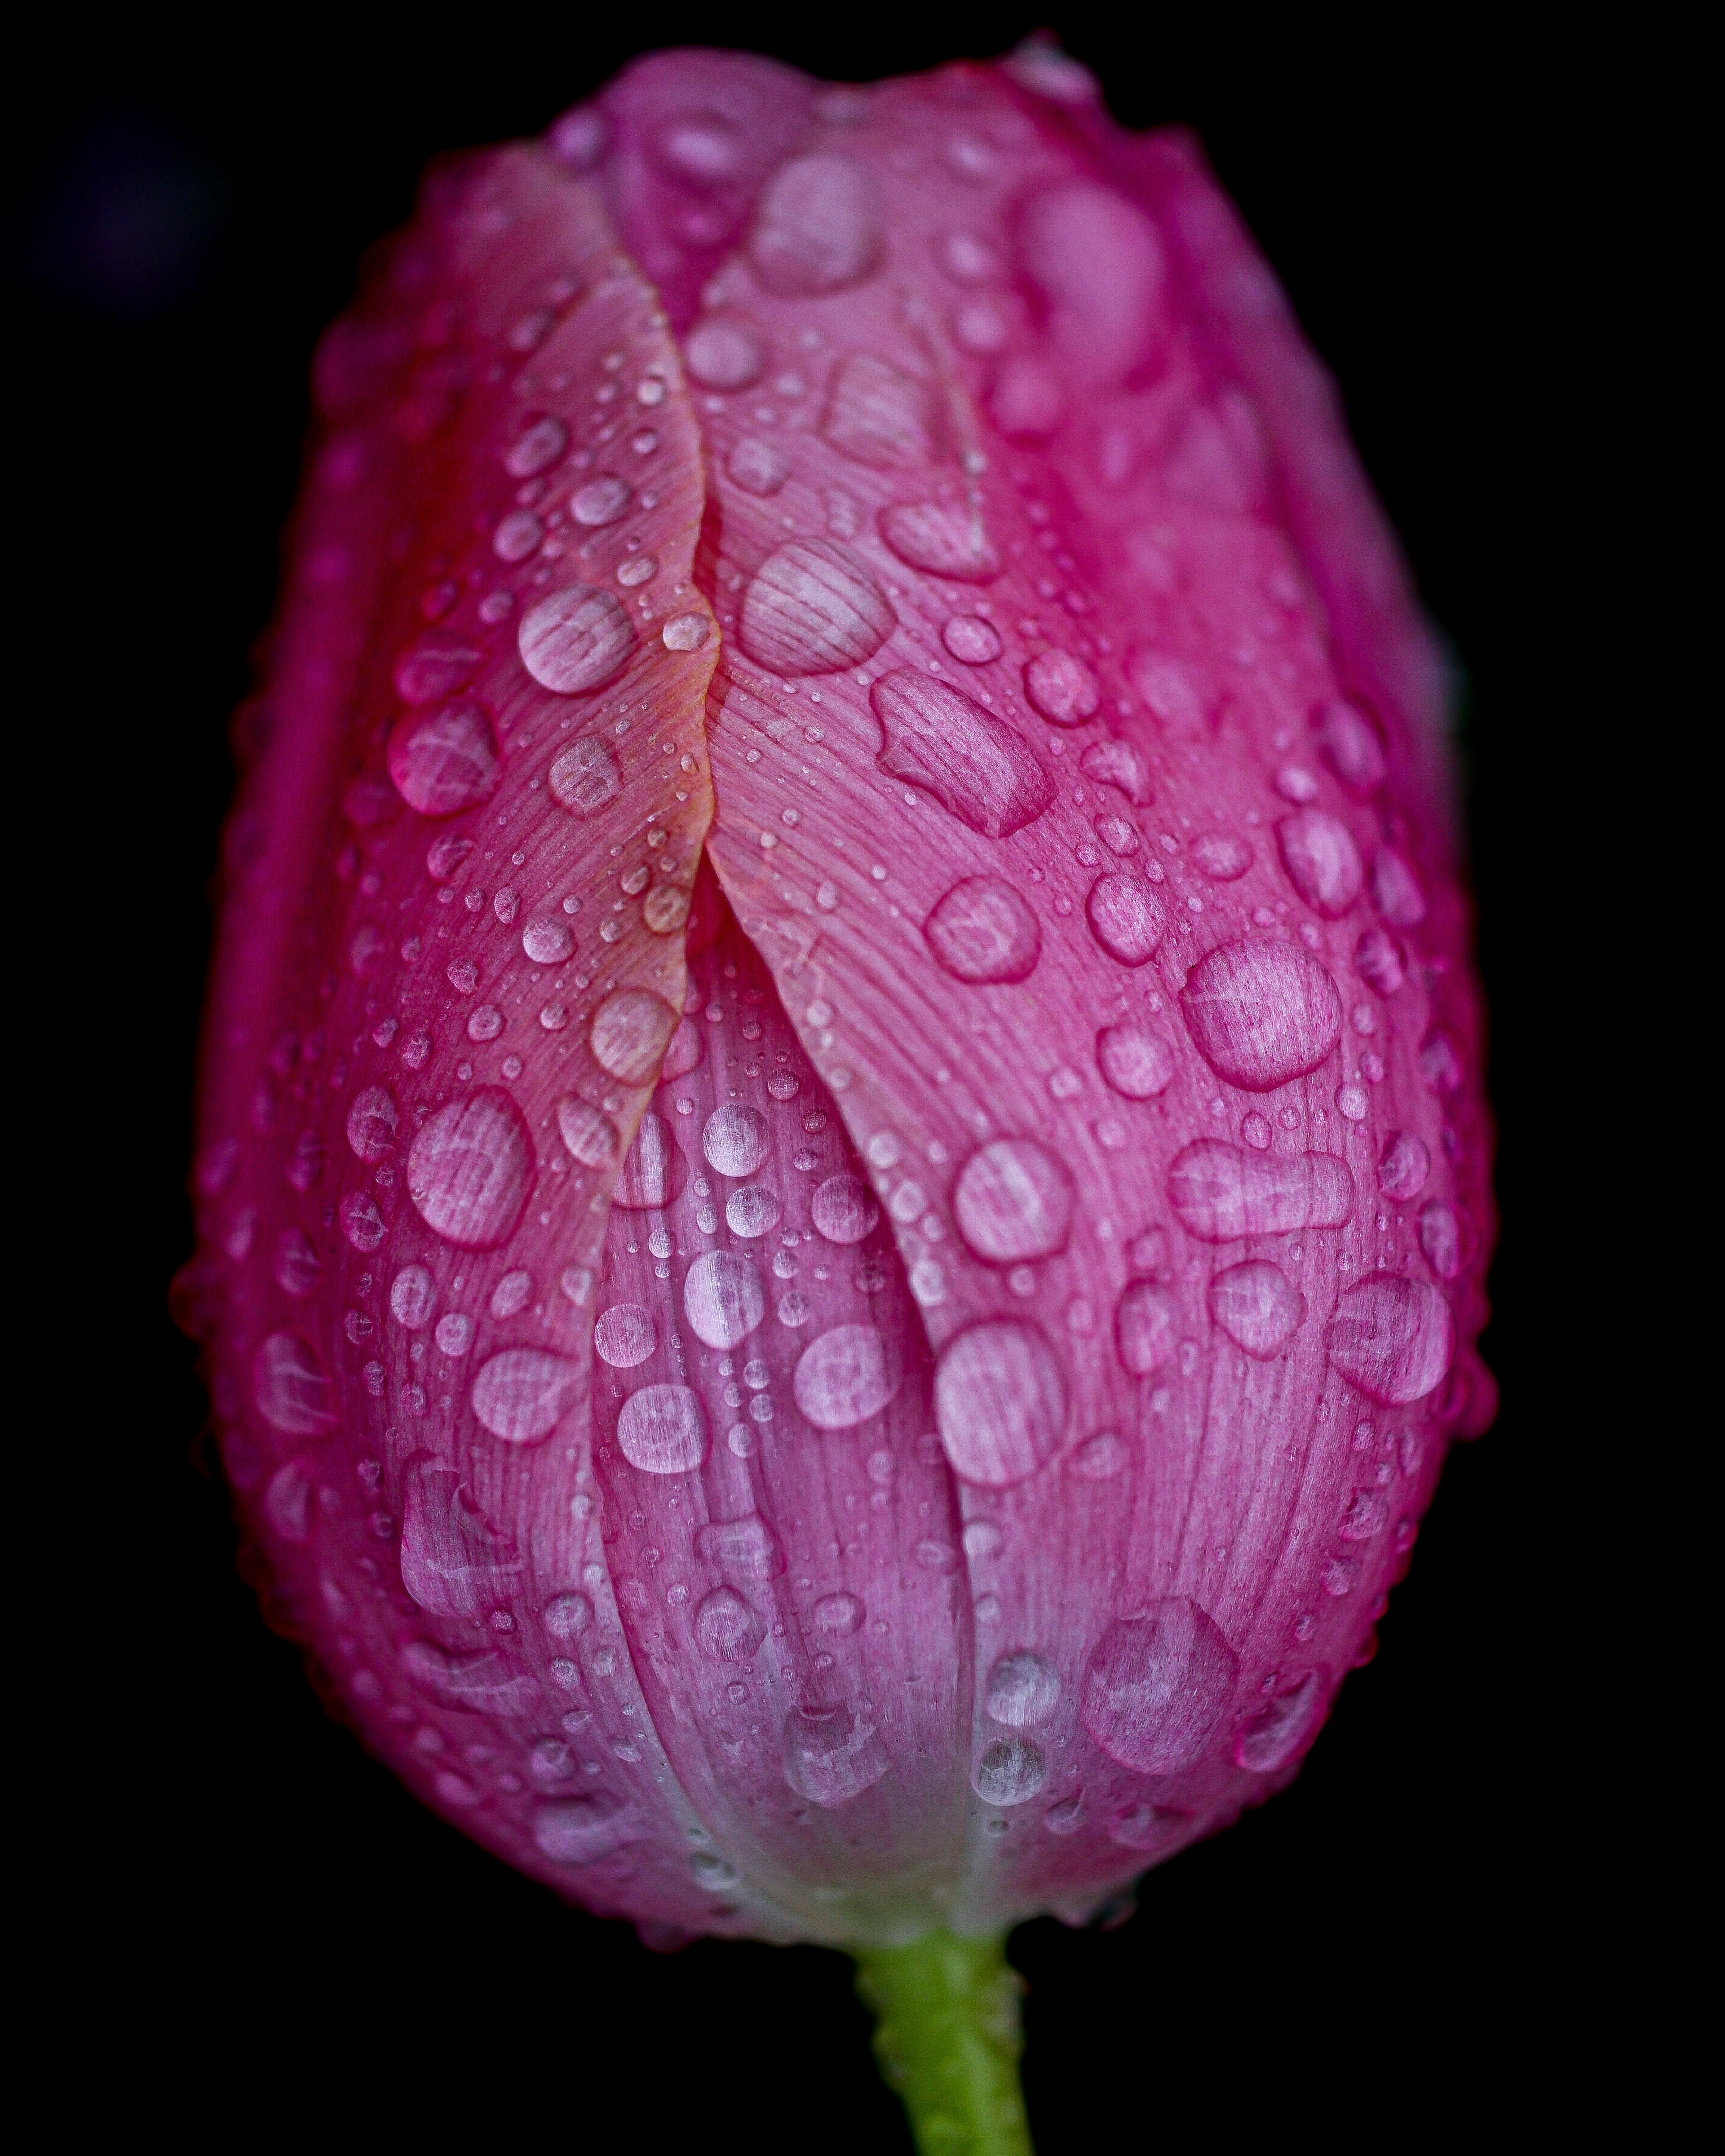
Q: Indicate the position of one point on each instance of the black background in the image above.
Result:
(262, 1921)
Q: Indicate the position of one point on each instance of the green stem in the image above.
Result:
(948, 2038)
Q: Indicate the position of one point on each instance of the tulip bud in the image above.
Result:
(843, 1182)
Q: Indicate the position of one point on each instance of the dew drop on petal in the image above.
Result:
(629, 1034)
(585, 776)
(724, 1298)
(625, 1335)
(813, 607)
(519, 1394)
(729, 1628)
(1062, 688)
(983, 931)
(1010, 1771)
(445, 761)
(1261, 1013)
(1012, 1201)
(1000, 1401)
(1135, 1059)
(1126, 917)
(470, 1169)
(1157, 1686)
(1257, 1306)
(1023, 1690)
(574, 641)
(1393, 1338)
(850, 1373)
(736, 1139)
(843, 1209)
(662, 1430)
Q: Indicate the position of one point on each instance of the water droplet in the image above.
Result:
(1000, 1401)
(412, 1297)
(1023, 1690)
(1255, 1130)
(568, 1616)
(1393, 1338)
(839, 1615)
(1010, 1771)
(1381, 961)
(371, 1122)
(654, 1170)
(1013, 1201)
(724, 1298)
(630, 1032)
(982, 1538)
(1257, 1306)
(521, 1394)
(1062, 688)
(817, 228)
(537, 449)
(1146, 1322)
(1098, 1459)
(1261, 1012)
(746, 1545)
(1348, 743)
(1136, 1061)
(517, 536)
(290, 1389)
(662, 1430)
(1222, 860)
(1126, 917)
(753, 1211)
(585, 776)
(758, 467)
(736, 1139)
(1404, 1167)
(436, 667)
(1156, 1686)
(471, 1170)
(590, 1136)
(575, 640)
(949, 541)
(1275, 1733)
(976, 766)
(625, 1335)
(444, 761)
(831, 1755)
(813, 607)
(971, 641)
(843, 1209)
(724, 355)
(983, 931)
(1117, 763)
(1442, 1240)
(880, 416)
(729, 1628)
(1220, 1192)
(685, 632)
(454, 1335)
(848, 1373)
(581, 1829)
(361, 1223)
(1323, 862)
(548, 941)
(1063, 1818)
(601, 500)
(1395, 889)
(512, 1293)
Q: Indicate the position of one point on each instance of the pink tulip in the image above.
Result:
(843, 1182)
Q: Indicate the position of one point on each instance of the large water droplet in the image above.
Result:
(1117, 763)
(575, 640)
(412, 1297)
(1023, 1690)
(971, 641)
(1126, 917)
(736, 1140)
(950, 541)
(729, 1628)
(436, 667)
(361, 1223)
(1146, 1326)
(662, 1430)
(536, 448)
(1220, 1192)
(1000, 1401)
(1223, 859)
(880, 416)
(840, 1614)
(1393, 1338)
(832, 1755)
(290, 1387)
(470, 1169)
(758, 467)
(585, 776)
(1261, 1013)
(1276, 1732)
(548, 941)
(1348, 743)
(1012, 1201)
(724, 1298)
(1257, 1306)
(1010, 1771)
(1156, 1686)
(976, 766)
(630, 1032)
(983, 931)
(1062, 688)
(751, 1212)
(1404, 1167)
(813, 607)
(445, 761)
(1135, 1059)
(1323, 862)
(848, 1375)
(654, 1169)
(451, 1562)
(520, 1393)
(625, 1335)
(817, 228)
(601, 500)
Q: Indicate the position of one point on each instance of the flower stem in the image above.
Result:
(947, 2037)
